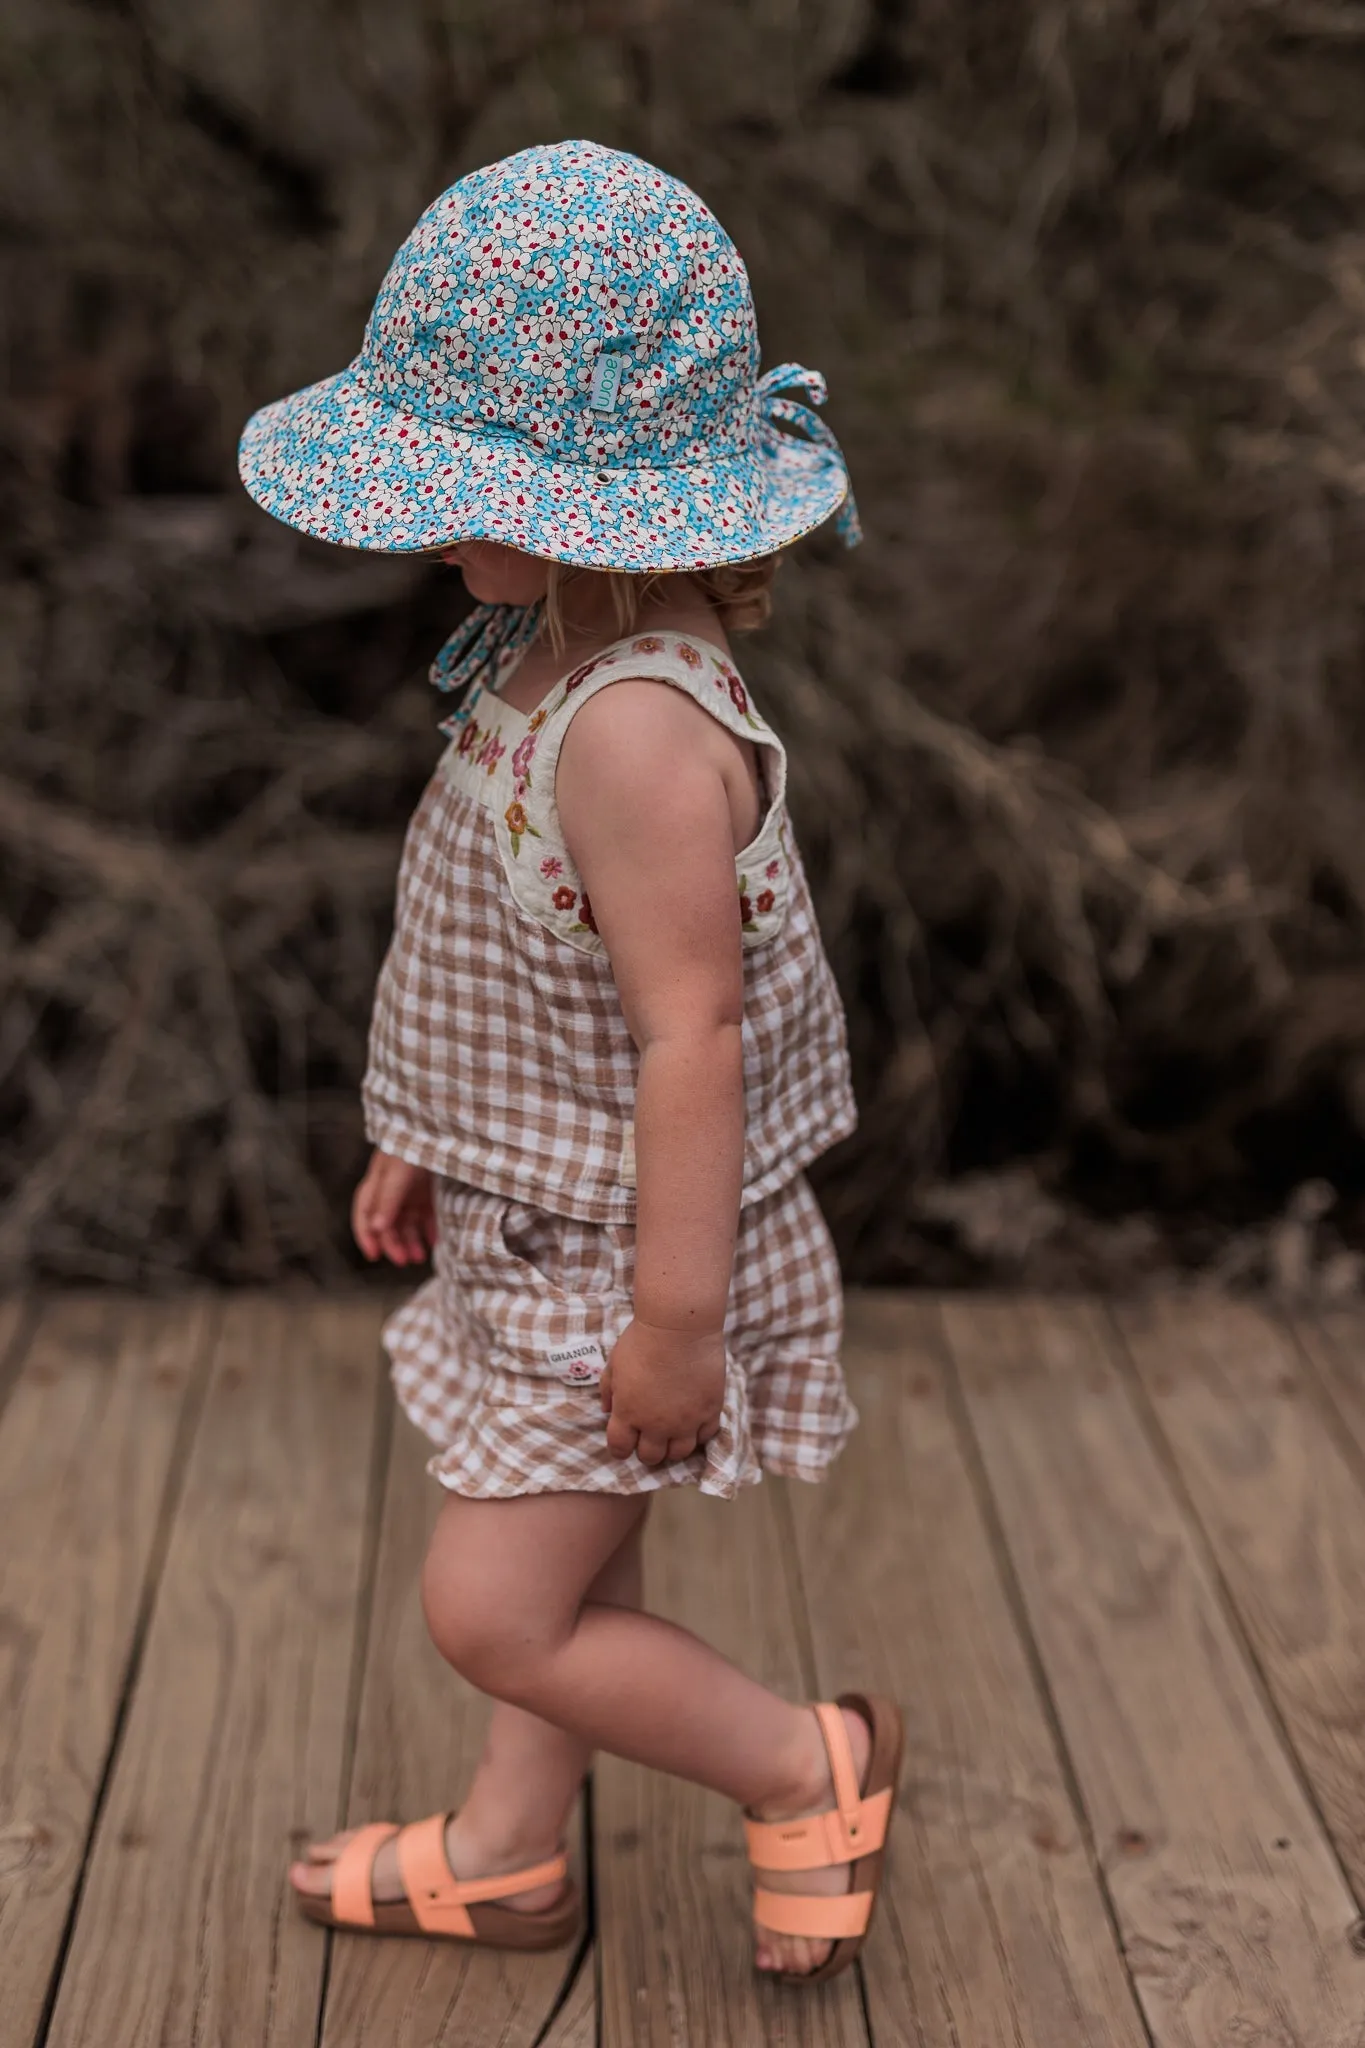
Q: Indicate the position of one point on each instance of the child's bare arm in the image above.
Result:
(646, 816)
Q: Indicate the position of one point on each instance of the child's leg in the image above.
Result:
(524, 1785)
(505, 1588)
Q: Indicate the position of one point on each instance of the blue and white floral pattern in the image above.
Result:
(563, 357)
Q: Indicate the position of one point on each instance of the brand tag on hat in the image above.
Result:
(607, 372)
(578, 1365)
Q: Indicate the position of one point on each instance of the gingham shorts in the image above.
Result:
(512, 1283)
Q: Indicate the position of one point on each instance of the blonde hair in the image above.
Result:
(742, 593)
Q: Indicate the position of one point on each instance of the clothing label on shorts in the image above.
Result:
(578, 1365)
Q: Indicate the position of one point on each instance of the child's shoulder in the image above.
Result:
(697, 666)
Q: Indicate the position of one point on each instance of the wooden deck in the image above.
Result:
(1113, 1563)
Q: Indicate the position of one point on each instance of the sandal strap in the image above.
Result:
(848, 1792)
(821, 1838)
(439, 1900)
(841, 1918)
(353, 1874)
(851, 1828)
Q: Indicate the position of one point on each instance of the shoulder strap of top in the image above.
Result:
(694, 666)
(539, 867)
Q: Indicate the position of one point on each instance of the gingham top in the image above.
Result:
(499, 1055)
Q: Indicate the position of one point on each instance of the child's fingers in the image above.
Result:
(680, 1447)
(392, 1245)
(621, 1438)
(362, 1227)
(604, 1388)
(652, 1448)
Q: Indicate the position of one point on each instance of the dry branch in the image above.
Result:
(1077, 738)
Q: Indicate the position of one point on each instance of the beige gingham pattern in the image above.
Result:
(499, 1055)
(513, 1282)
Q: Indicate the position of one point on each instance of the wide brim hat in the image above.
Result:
(563, 357)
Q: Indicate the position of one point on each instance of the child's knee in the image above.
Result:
(499, 1651)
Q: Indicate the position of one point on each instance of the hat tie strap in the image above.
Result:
(794, 377)
(490, 633)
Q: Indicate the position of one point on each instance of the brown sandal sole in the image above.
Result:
(494, 1926)
(883, 1718)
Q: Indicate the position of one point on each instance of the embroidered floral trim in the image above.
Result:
(518, 825)
(580, 675)
(725, 678)
(586, 921)
(746, 908)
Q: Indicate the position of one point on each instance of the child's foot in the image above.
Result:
(796, 1954)
(467, 1858)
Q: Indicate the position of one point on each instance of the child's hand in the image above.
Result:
(392, 1215)
(662, 1392)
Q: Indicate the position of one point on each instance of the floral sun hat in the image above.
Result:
(563, 357)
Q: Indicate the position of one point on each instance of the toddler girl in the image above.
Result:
(606, 1041)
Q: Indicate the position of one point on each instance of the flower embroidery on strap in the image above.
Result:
(587, 922)
(580, 675)
(726, 679)
(518, 823)
(688, 653)
(521, 759)
(751, 908)
(649, 644)
(552, 867)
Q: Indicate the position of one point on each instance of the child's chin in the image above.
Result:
(488, 589)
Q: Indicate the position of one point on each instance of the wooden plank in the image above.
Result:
(1232, 1908)
(993, 1927)
(235, 1737)
(18, 1317)
(419, 1733)
(1334, 1341)
(1256, 1446)
(87, 1440)
(674, 1924)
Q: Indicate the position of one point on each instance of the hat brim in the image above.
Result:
(344, 464)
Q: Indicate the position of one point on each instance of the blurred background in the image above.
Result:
(1078, 735)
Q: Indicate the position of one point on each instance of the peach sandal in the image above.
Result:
(438, 1905)
(852, 1831)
